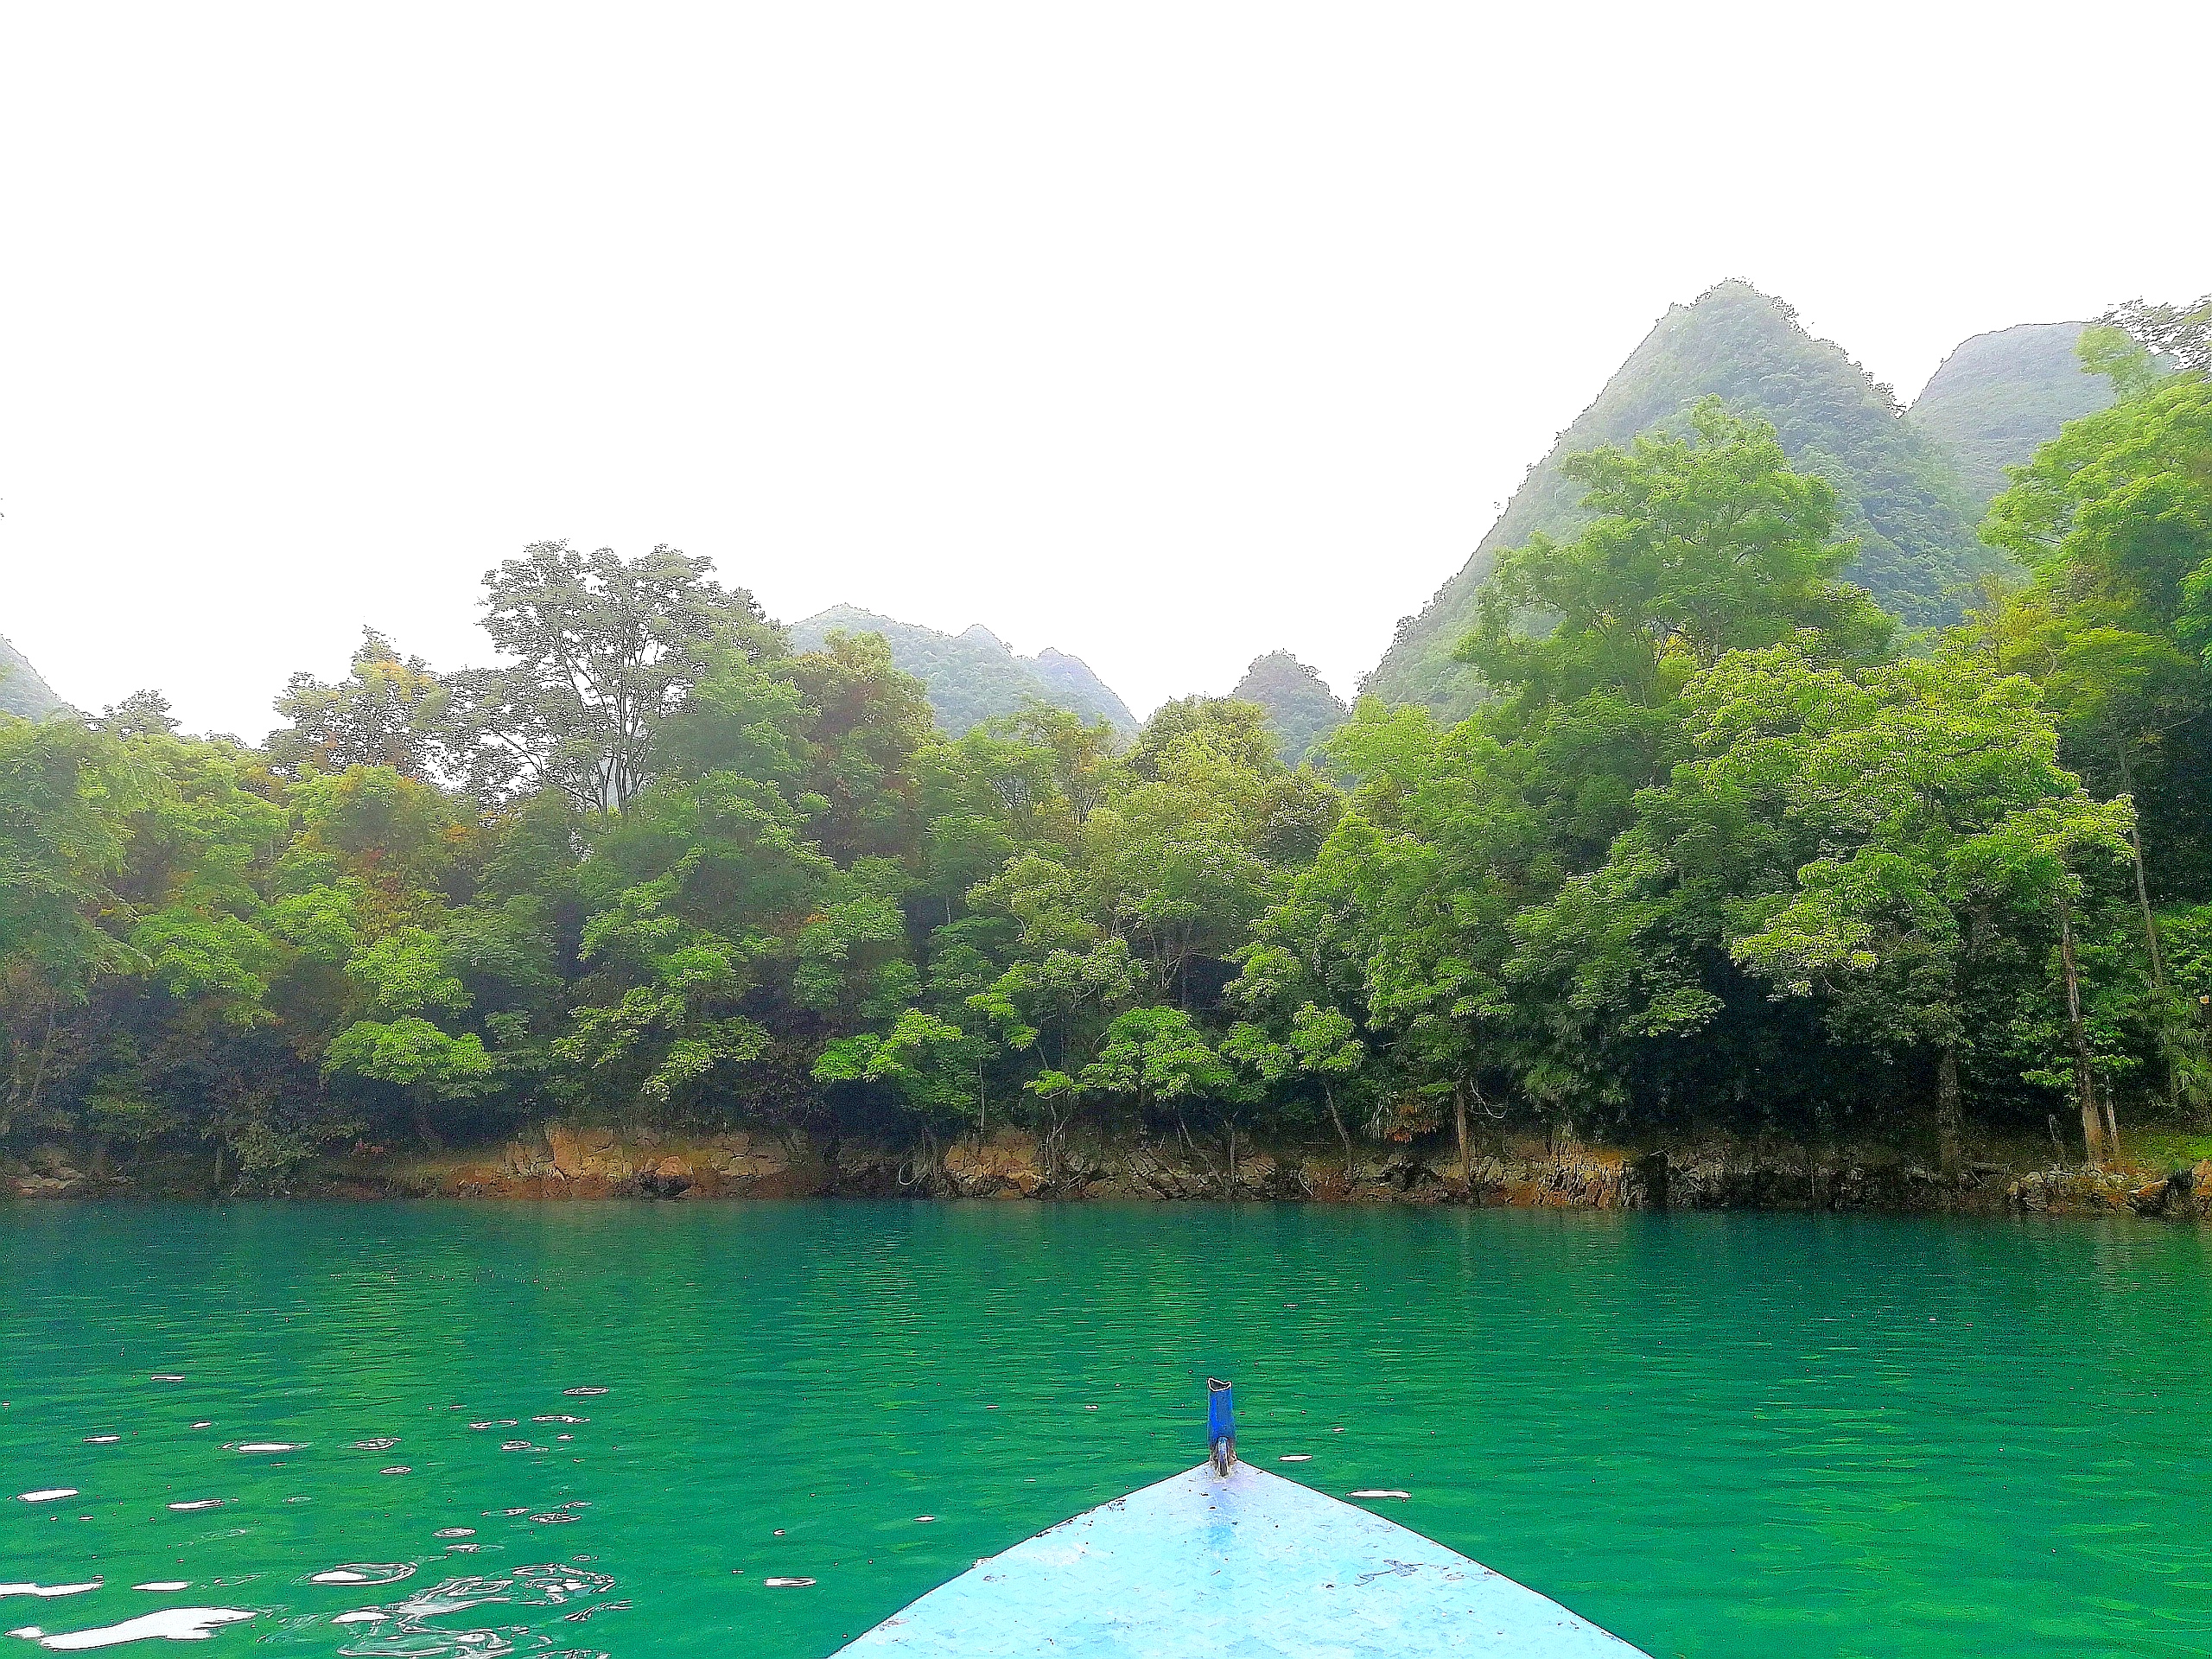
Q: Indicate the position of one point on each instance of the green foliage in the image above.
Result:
(388, 712)
(1896, 494)
(410, 1052)
(1697, 545)
(602, 648)
(1708, 853)
(2114, 518)
(1156, 1057)
(928, 1066)
(2175, 337)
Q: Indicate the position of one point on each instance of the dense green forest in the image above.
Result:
(975, 676)
(1896, 493)
(1714, 850)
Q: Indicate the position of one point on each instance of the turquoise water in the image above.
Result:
(1717, 1435)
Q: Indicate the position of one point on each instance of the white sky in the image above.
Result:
(1166, 334)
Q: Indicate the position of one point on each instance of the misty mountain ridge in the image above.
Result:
(1898, 491)
(974, 676)
(23, 689)
(1912, 485)
(1301, 709)
(2000, 396)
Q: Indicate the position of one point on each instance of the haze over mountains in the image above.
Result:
(1901, 492)
(1300, 706)
(974, 676)
(1912, 484)
(21, 690)
(2000, 395)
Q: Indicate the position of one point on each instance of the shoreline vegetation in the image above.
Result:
(1728, 881)
(562, 1162)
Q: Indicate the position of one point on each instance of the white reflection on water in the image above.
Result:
(174, 1624)
(368, 1572)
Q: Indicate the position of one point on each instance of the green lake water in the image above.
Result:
(1716, 1435)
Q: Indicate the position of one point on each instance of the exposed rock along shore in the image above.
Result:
(559, 1161)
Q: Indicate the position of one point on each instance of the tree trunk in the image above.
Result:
(1052, 1147)
(1946, 1110)
(2149, 937)
(2093, 1128)
(1459, 1126)
(1329, 1095)
(2143, 901)
(2142, 884)
(26, 1099)
(423, 1127)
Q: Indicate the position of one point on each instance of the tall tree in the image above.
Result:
(1933, 795)
(602, 648)
(386, 712)
(1701, 544)
(58, 853)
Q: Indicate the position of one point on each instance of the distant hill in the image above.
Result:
(21, 690)
(974, 676)
(1899, 493)
(1998, 396)
(1300, 707)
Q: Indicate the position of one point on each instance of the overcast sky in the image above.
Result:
(1165, 335)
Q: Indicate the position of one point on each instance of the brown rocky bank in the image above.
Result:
(560, 1160)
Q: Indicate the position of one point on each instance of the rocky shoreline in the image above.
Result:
(561, 1161)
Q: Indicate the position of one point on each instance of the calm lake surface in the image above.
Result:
(1717, 1435)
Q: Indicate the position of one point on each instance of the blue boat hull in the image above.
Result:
(1249, 1566)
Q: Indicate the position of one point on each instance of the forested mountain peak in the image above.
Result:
(1897, 491)
(1998, 396)
(974, 675)
(22, 691)
(1301, 709)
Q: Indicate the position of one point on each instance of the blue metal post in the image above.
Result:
(1221, 1424)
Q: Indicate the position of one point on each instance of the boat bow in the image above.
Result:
(1241, 1565)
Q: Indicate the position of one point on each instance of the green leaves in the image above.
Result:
(603, 650)
(1700, 546)
(928, 1065)
(405, 972)
(1707, 855)
(1155, 1056)
(216, 957)
(410, 1053)
(388, 712)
